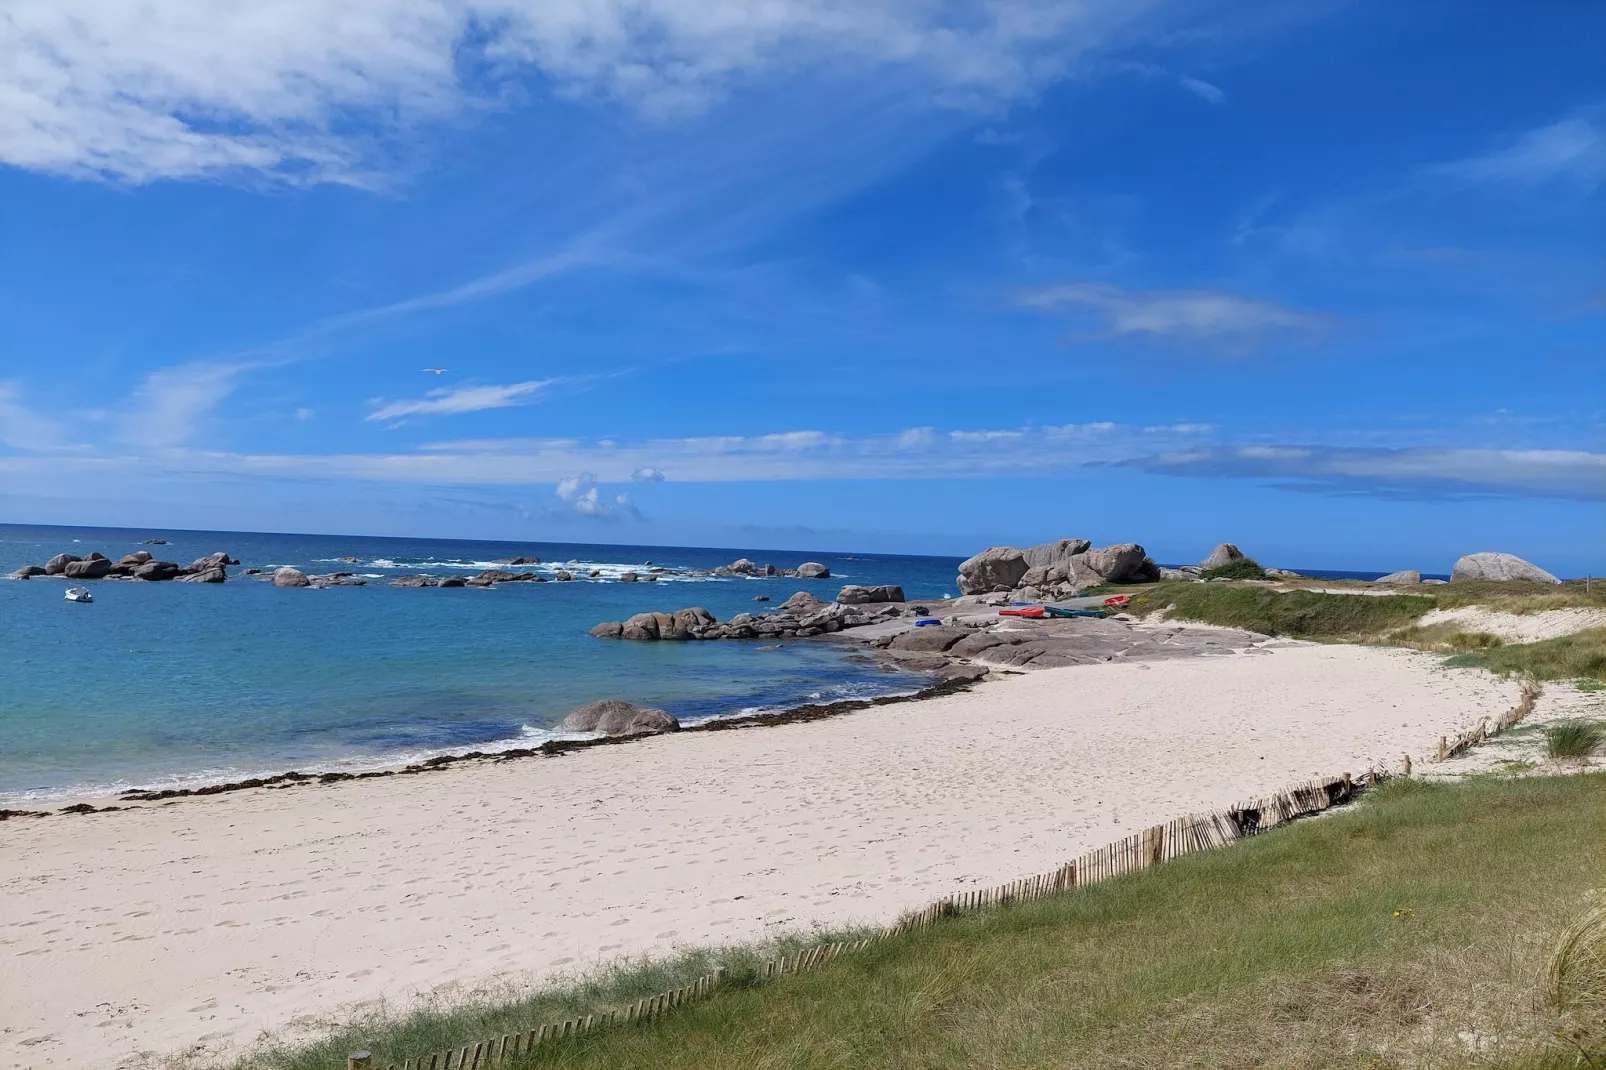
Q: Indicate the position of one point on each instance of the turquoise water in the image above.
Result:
(170, 684)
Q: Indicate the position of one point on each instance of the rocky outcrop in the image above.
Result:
(156, 571)
(58, 564)
(27, 572)
(517, 561)
(802, 615)
(93, 567)
(290, 577)
(413, 581)
(808, 570)
(997, 568)
(1222, 556)
(563, 575)
(1409, 575)
(453, 581)
(1502, 568)
(933, 640)
(613, 717)
(210, 562)
(628, 577)
(855, 595)
(813, 570)
(211, 575)
(129, 562)
(1125, 562)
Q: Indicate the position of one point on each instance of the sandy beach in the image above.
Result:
(203, 921)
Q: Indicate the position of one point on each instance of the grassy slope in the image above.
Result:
(1285, 951)
(1307, 614)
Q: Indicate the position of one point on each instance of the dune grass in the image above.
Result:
(1574, 737)
(1300, 614)
(1245, 568)
(1566, 657)
(1411, 931)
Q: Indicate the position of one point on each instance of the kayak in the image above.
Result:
(1116, 601)
(924, 622)
(1066, 611)
(1031, 612)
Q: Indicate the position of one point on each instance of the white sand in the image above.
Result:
(207, 920)
(1518, 627)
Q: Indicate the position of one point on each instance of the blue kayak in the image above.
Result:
(1066, 611)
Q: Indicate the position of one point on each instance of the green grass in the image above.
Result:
(1301, 614)
(1574, 737)
(1591, 685)
(1382, 936)
(1245, 568)
(1566, 657)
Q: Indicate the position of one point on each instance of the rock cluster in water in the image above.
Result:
(808, 570)
(139, 565)
(802, 615)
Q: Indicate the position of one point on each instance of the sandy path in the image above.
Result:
(206, 920)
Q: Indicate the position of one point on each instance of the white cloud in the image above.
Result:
(646, 473)
(453, 401)
(1572, 152)
(1189, 315)
(187, 88)
(168, 408)
(1202, 89)
(21, 427)
(584, 498)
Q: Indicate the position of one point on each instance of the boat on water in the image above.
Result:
(79, 594)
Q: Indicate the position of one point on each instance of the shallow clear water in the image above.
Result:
(157, 684)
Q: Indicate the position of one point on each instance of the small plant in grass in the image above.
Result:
(1245, 568)
(1574, 738)
(1591, 685)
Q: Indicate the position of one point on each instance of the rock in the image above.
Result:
(1282, 574)
(252, 572)
(1222, 556)
(628, 577)
(500, 575)
(1051, 555)
(800, 603)
(651, 577)
(399, 581)
(961, 674)
(453, 581)
(290, 577)
(1177, 574)
(1426, 582)
(855, 595)
(350, 560)
(563, 575)
(516, 561)
(609, 629)
(641, 626)
(1409, 575)
(1497, 567)
(93, 567)
(58, 564)
(972, 644)
(156, 571)
(740, 567)
(133, 560)
(931, 640)
(612, 717)
(211, 575)
(210, 562)
(153, 542)
(813, 570)
(761, 598)
(997, 568)
(28, 572)
(1125, 562)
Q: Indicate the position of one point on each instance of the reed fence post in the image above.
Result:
(360, 1060)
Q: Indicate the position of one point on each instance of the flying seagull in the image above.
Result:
(433, 371)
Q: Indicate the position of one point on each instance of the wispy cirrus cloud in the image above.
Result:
(1570, 152)
(314, 92)
(1421, 471)
(21, 427)
(452, 401)
(169, 406)
(1212, 316)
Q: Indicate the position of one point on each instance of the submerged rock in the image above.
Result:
(613, 717)
(1501, 568)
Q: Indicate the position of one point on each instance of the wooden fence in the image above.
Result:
(1450, 748)
(1181, 836)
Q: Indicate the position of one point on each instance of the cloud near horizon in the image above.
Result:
(452, 401)
(1185, 315)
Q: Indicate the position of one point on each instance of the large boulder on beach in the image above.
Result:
(855, 595)
(813, 570)
(93, 567)
(1409, 575)
(58, 564)
(290, 577)
(1125, 562)
(613, 717)
(1222, 556)
(1051, 555)
(1501, 568)
(997, 568)
(156, 571)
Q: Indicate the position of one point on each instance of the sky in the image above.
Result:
(1326, 279)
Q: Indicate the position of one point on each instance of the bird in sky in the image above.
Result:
(433, 371)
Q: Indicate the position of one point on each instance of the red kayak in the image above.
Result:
(1034, 612)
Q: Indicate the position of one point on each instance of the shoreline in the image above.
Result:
(513, 870)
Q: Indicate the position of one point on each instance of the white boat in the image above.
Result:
(79, 594)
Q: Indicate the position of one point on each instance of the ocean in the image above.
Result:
(177, 684)
(161, 685)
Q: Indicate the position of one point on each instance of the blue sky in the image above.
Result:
(1324, 279)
